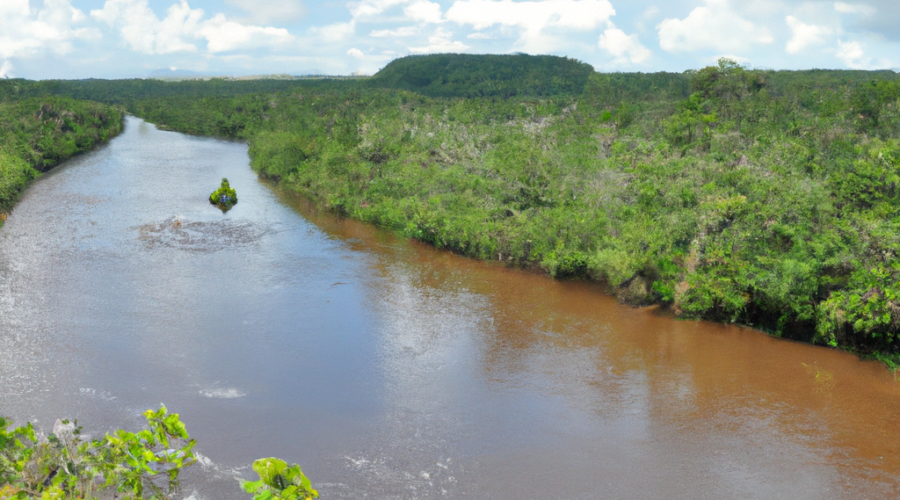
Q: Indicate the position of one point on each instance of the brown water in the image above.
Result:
(388, 369)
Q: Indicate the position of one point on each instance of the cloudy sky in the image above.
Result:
(42, 39)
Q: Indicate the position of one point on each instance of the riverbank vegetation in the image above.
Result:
(767, 198)
(36, 134)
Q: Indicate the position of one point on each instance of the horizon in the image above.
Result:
(177, 75)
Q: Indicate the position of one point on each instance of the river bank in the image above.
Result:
(37, 134)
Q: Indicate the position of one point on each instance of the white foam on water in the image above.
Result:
(95, 394)
(217, 470)
(203, 460)
(229, 393)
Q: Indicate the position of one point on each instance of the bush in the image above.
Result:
(225, 197)
(141, 465)
(145, 464)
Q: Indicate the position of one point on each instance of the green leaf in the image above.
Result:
(269, 470)
(251, 486)
(264, 495)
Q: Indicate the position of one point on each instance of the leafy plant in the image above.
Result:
(869, 309)
(225, 197)
(141, 465)
(278, 481)
(136, 465)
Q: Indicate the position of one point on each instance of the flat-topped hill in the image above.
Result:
(468, 75)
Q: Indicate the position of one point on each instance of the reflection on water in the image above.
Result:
(390, 370)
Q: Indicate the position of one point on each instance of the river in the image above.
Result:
(388, 369)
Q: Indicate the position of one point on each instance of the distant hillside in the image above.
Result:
(464, 75)
(124, 92)
(784, 82)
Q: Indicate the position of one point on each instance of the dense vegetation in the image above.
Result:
(463, 75)
(444, 75)
(39, 133)
(760, 197)
(766, 198)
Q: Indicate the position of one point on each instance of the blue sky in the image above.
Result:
(41, 39)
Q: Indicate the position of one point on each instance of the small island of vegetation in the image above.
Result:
(225, 197)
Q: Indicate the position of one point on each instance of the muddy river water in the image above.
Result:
(388, 369)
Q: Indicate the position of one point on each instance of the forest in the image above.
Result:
(765, 198)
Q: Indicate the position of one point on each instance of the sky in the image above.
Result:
(70, 39)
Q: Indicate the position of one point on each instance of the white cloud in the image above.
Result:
(144, 32)
(17, 8)
(27, 32)
(336, 32)
(424, 11)
(368, 11)
(738, 59)
(804, 35)
(371, 8)
(6, 69)
(480, 36)
(223, 35)
(262, 12)
(354, 52)
(440, 41)
(852, 54)
(532, 17)
(766, 7)
(651, 12)
(623, 47)
(535, 20)
(845, 8)
(713, 26)
(399, 32)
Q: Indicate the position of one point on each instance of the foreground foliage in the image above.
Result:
(144, 464)
(278, 481)
(141, 465)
